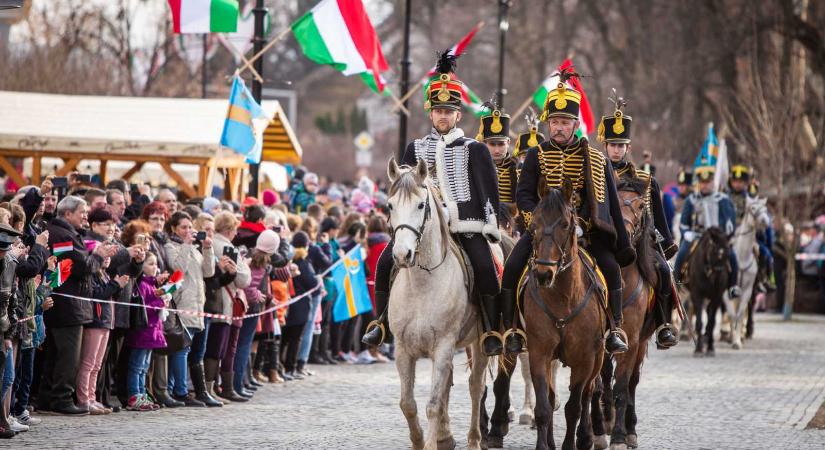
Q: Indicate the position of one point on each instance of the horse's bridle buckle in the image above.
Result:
(561, 323)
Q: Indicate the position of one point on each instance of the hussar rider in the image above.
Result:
(494, 131)
(464, 173)
(567, 156)
(614, 131)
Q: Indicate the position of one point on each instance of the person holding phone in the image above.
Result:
(196, 262)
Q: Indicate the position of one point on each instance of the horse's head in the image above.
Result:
(716, 247)
(410, 209)
(632, 193)
(757, 208)
(554, 233)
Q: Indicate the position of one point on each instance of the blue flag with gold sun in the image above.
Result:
(350, 280)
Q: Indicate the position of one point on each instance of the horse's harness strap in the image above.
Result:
(634, 297)
(561, 322)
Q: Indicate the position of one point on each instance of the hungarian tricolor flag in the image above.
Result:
(469, 98)
(60, 248)
(61, 273)
(339, 33)
(174, 282)
(204, 16)
(586, 124)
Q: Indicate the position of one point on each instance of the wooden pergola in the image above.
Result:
(142, 130)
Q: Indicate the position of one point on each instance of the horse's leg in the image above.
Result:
(500, 421)
(573, 407)
(483, 418)
(555, 365)
(607, 391)
(543, 413)
(441, 378)
(697, 308)
(477, 386)
(405, 364)
(445, 436)
(632, 439)
(597, 417)
(526, 416)
(713, 308)
(624, 363)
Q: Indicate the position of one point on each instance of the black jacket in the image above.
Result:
(68, 311)
(466, 176)
(599, 209)
(653, 202)
(103, 313)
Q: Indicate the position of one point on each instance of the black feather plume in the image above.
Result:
(566, 74)
(446, 62)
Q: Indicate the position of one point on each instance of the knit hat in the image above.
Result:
(310, 177)
(210, 203)
(329, 223)
(268, 242)
(300, 240)
(334, 194)
(270, 197)
(249, 201)
(99, 215)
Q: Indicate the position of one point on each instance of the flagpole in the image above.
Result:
(257, 86)
(407, 95)
(263, 50)
(523, 106)
(405, 81)
(203, 66)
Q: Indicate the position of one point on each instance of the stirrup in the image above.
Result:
(621, 333)
(672, 329)
(493, 333)
(517, 332)
(380, 326)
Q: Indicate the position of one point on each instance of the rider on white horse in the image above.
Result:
(465, 175)
(743, 188)
(702, 210)
(617, 146)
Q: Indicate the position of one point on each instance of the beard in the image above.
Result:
(443, 127)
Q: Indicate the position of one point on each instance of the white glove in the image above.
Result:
(689, 236)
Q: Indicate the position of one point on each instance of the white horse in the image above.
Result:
(744, 244)
(430, 312)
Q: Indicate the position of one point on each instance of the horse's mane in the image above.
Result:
(553, 200)
(645, 253)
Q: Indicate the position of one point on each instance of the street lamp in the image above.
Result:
(503, 26)
(11, 4)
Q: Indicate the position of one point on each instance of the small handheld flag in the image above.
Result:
(62, 247)
(61, 273)
(174, 282)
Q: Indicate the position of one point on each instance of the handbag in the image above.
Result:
(176, 335)
(138, 317)
(239, 304)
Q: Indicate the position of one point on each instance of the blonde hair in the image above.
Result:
(226, 221)
(201, 220)
(294, 222)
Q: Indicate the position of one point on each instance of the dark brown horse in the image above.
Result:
(638, 280)
(708, 272)
(564, 317)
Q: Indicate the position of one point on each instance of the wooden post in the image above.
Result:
(68, 166)
(12, 172)
(103, 166)
(36, 169)
(182, 184)
(204, 185)
(133, 170)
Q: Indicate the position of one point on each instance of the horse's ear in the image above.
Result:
(567, 189)
(420, 171)
(392, 170)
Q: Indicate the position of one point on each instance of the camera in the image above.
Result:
(200, 235)
(231, 253)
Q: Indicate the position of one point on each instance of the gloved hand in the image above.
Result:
(689, 236)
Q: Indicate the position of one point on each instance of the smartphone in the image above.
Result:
(231, 253)
(277, 228)
(200, 235)
(140, 239)
(84, 178)
(60, 182)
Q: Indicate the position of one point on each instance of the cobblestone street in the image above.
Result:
(757, 398)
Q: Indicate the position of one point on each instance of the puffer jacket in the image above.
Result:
(195, 265)
(242, 277)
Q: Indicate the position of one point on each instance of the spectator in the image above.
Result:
(95, 198)
(117, 204)
(299, 311)
(168, 198)
(251, 226)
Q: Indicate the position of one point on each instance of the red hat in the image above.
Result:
(249, 201)
(270, 198)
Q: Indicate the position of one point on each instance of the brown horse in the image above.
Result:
(638, 280)
(564, 319)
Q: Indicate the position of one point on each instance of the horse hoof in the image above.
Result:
(632, 441)
(736, 346)
(511, 414)
(447, 444)
(525, 419)
(618, 446)
(710, 353)
(600, 442)
(698, 354)
(495, 442)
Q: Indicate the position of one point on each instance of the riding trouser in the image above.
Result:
(478, 252)
(664, 291)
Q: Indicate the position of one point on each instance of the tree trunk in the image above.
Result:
(790, 276)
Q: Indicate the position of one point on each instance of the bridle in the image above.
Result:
(634, 225)
(419, 232)
(564, 262)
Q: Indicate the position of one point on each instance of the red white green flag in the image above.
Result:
(339, 33)
(204, 16)
(61, 273)
(60, 248)
(586, 124)
(469, 99)
(174, 282)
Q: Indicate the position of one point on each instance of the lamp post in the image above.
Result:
(257, 87)
(503, 26)
(405, 81)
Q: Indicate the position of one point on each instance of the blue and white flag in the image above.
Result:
(245, 123)
(351, 285)
(710, 150)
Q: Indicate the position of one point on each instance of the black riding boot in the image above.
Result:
(665, 334)
(378, 330)
(490, 316)
(616, 341)
(513, 335)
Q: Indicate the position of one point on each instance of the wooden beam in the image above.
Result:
(103, 164)
(36, 170)
(68, 166)
(238, 188)
(204, 180)
(182, 184)
(135, 169)
(12, 172)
